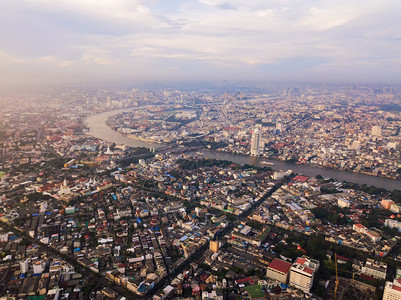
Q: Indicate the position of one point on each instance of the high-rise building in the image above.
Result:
(214, 246)
(278, 270)
(356, 145)
(38, 267)
(255, 143)
(376, 131)
(134, 97)
(23, 266)
(392, 290)
(302, 273)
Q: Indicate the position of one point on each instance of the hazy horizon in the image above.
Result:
(72, 42)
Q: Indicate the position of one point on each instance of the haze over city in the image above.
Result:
(200, 149)
(56, 42)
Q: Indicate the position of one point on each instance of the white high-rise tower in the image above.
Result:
(376, 131)
(255, 143)
(24, 266)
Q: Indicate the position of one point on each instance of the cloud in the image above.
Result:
(323, 19)
(195, 38)
(98, 56)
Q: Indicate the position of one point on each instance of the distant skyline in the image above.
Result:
(71, 41)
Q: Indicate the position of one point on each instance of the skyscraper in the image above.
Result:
(376, 131)
(255, 143)
(134, 97)
(279, 128)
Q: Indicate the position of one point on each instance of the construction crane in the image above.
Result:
(335, 289)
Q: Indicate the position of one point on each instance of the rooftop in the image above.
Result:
(280, 265)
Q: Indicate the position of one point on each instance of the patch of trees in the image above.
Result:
(34, 197)
(371, 190)
(135, 159)
(329, 190)
(328, 216)
(390, 107)
(396, 196)
(255, 224)
(391, 231)
(372, 219)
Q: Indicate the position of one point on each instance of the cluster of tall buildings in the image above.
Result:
(300, 274)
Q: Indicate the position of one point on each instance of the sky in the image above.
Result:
(56, 41)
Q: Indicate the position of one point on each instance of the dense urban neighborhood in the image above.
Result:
(184, 196)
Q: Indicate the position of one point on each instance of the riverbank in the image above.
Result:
(99, 129)
(359, 178)
(317, 166)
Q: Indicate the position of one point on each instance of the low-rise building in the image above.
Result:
(343, 203)
(386, 203)
(359, 228)
(375, 269)
(393, 224)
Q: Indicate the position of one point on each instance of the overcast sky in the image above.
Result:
(64, 40)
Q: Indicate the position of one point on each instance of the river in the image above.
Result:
(99, 129)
